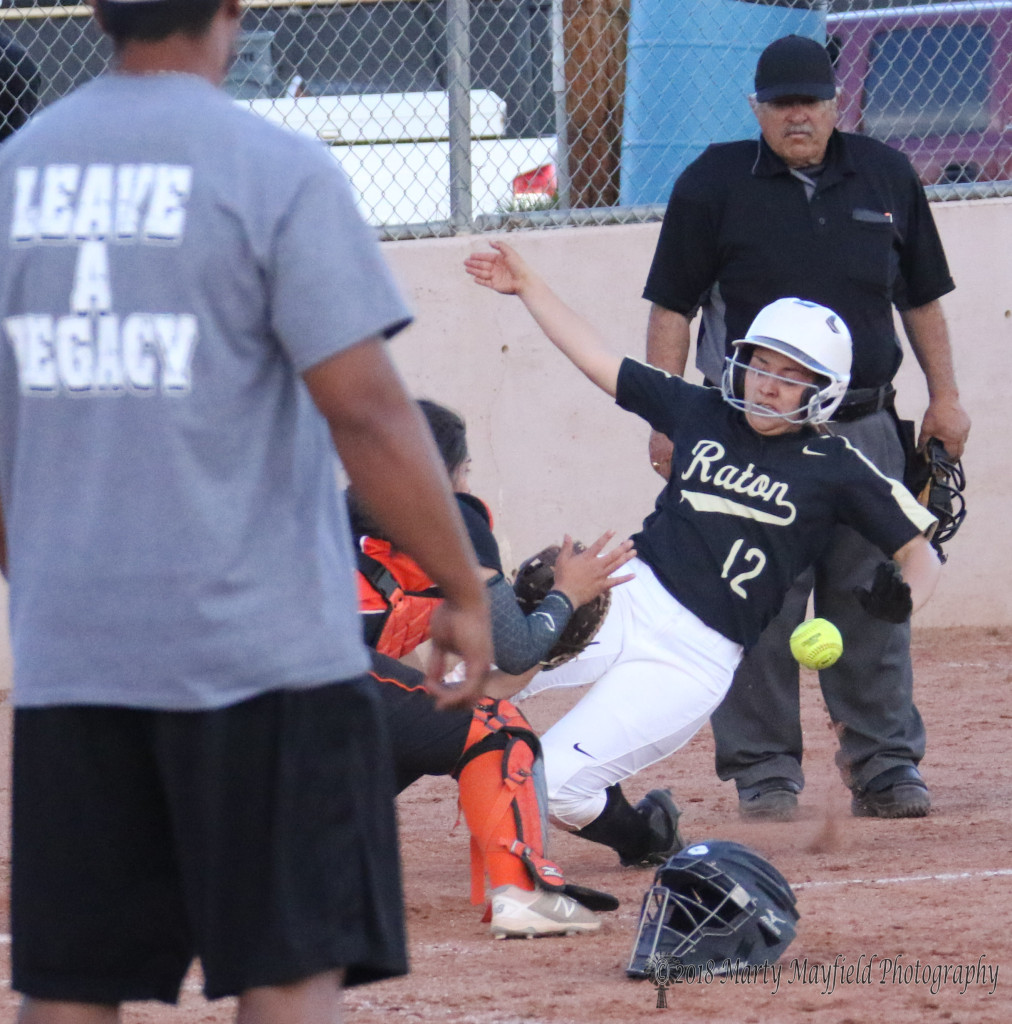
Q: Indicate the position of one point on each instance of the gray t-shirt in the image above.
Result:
(171, 264)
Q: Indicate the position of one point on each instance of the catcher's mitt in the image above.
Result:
(938, 481)
(534, 579)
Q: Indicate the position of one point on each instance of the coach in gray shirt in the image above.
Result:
(192, 319)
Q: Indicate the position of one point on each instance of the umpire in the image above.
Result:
(842, 220)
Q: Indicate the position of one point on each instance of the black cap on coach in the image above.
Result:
(794, 66)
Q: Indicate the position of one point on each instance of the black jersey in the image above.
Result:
(743, 515)
(478, 521)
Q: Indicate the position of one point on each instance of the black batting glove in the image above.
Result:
(889, 597)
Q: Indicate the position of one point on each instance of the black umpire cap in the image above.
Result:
(794, 66)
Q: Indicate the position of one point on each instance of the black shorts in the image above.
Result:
(260, 838)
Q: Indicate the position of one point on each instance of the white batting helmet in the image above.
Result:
(806, 332)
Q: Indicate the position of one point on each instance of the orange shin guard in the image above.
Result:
(496, 776)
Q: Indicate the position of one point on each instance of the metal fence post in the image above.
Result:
(458, 88)
(559, 93)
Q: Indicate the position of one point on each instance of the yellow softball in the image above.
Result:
(816, 643)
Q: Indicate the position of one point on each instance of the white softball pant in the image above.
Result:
(658, 673)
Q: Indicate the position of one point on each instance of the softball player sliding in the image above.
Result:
(756, 487)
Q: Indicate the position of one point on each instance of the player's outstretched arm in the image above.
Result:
(505, 272)
(523, 636)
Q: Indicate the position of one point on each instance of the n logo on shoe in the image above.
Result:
(564, 908)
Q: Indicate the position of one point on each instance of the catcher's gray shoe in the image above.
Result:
(898, 792)
(662, 816)
(518, 914)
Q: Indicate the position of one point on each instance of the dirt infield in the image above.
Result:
(903, 922)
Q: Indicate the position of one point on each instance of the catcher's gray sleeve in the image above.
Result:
(520, 642)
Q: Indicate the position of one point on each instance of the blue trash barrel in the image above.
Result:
(689, 72)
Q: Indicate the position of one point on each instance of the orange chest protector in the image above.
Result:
(396, 598)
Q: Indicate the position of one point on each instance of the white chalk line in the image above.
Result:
(948, 876)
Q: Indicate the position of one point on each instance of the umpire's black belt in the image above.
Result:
(860, 402)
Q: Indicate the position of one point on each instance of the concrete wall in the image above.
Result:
(553, 454)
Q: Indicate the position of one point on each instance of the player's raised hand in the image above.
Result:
(464, 632)
(502, 271)
(583, 574)
(505, 272)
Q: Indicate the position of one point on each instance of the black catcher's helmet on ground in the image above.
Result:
(714, 902)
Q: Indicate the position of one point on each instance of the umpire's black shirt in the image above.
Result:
(740, 231)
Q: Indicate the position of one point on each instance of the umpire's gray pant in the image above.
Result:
(869, 691)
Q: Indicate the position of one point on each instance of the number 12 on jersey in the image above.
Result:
(753, 558)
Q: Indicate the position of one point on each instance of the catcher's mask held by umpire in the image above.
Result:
(714, 902)
(938, 481)
(812, 335)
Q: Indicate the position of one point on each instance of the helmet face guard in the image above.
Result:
(810, 334)
(818, 403)
(714, 904)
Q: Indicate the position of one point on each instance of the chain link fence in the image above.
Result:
(453, 116)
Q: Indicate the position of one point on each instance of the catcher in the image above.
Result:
(755, 488)
(492, 752)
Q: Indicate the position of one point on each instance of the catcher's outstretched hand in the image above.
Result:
(581, 574)
(503, 270)
(463, 632)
